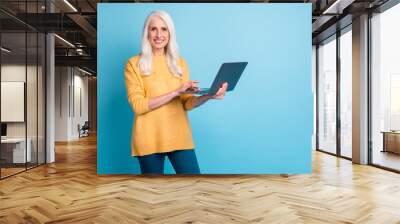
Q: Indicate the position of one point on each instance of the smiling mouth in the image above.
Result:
(158, 41)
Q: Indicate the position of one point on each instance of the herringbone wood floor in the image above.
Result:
(70, 191)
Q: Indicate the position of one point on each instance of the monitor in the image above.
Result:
(3, 129)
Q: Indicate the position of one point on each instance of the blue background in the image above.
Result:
(264, 126)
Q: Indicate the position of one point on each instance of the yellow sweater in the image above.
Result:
(165, 128)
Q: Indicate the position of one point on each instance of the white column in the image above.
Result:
(50, 110)
(50, 92)
(360, 90)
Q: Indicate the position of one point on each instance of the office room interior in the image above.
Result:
(49, 125)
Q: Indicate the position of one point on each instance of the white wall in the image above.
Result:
(81, 102)
(62, 81)
(12, 73)
(71, 93)
(34, 125)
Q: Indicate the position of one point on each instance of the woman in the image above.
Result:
(160, 93)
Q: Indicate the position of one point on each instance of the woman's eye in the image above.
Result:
(153, 29)
(164, 29)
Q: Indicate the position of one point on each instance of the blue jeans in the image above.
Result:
(183, 161)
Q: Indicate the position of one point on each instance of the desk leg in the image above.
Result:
(384, 142)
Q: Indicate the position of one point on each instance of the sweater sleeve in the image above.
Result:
(135, 90)
(187, 99)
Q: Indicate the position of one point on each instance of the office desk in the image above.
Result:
(391, 141)
(13, 150)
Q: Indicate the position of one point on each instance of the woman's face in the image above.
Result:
(158, 34)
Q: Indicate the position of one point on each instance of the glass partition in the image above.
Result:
(22, 77)
(13, 104)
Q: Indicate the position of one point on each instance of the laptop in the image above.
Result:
(228, 72)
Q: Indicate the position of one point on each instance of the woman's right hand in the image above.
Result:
(191, 86)
(188, 87)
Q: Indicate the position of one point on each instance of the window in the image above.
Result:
(346, 93)
(327, 96)
(385, 89)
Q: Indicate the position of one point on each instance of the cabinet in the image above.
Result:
(13, 150)
(391, 141)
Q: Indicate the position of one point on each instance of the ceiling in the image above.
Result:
(76, 22)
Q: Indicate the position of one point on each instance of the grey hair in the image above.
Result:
(146, 57)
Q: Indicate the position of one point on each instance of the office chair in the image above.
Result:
(84, 130)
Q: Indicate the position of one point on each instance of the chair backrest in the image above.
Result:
(86, 125)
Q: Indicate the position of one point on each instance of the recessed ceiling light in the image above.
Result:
(337, 7)
(5, 50)
(71, 6)
(64, 40)
(84, 71)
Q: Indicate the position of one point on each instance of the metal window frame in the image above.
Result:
(339, 32)
(389, 4)
(386, 6)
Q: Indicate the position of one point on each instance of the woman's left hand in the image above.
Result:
(204, 98)
(221, 92)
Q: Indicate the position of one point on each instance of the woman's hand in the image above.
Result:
(221, 92)
(204, 98)
(191, 86)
